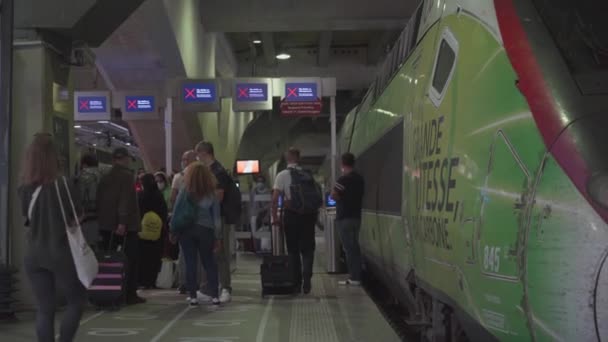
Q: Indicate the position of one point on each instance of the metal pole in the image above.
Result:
(169, 135)
(332, 120)
(6, 79)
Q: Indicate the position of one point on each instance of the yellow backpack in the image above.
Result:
(151, 226)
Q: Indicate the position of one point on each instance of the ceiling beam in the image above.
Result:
(269, 49)
(324, 47)
(376, 49)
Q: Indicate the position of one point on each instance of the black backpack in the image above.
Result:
(231, 205)
(306, 196)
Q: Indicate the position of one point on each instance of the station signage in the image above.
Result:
(251, 94)
(295, 92)
(199, 92)
(139, 104)
(301, 108)
(91, 105)
(199, 95)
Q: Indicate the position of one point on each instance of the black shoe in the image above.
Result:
(134, 300)
(182, 290)
(307, 287)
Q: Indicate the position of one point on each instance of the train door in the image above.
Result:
(503, 210)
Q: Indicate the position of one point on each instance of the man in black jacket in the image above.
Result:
(118, 214)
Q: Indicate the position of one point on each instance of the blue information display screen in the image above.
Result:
(329, 202)
(301, 92)
(92, 104)
(199, 92)
(139, 103)
(252, 92)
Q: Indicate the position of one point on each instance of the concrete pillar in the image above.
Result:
(37, 76)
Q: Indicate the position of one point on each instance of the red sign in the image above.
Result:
(301, 108)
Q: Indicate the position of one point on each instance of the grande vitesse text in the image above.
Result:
(434, 185)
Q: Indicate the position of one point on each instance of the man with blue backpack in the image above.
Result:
(302, 200)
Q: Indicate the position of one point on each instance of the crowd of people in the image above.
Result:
(193, 218)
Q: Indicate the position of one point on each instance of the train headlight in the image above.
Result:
(598, 188)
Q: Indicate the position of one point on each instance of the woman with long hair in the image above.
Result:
(150, 252)
(202, 239)
(48, 259)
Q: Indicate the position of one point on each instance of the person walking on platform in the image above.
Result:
(348, 194)
(230, 198)
(118, 214)
(87, 183)
(177, 184)
(48, 261)
(299, 218)
(153, 211)
(202, 236)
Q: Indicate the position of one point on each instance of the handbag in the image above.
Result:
(166, 274)
(184, 213)
(84, 259)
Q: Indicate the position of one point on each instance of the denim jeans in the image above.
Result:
(44, 285)
(349, 234)
(200, 242)
(223, 259)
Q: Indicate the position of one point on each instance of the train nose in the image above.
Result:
(601, 300)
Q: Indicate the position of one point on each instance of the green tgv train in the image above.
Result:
(484, 143)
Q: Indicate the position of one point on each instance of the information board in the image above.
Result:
(200, 95)
(252, 94)
(91, 105)
(306, 92)
(139, 104)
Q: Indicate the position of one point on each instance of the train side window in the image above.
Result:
(445, 63)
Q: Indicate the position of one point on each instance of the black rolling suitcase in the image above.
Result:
(108, 290)
(276, 272)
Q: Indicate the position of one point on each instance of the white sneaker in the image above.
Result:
(203, 297)
(225, 297)
(193, 302)
(215, 301)
(349, 282)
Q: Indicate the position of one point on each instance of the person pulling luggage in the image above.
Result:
(303, 199)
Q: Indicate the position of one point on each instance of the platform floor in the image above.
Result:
(330, 313)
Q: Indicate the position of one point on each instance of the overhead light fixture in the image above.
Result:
(77, 126)
(128, 144)
(98, 132)
(102, 122)
(94, 145)
(283, 56)
(257, 41)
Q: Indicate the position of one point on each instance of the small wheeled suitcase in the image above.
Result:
(276, 272)
(108, 290)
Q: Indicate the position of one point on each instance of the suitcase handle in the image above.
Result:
(124, 242)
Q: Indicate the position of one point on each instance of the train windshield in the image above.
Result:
(580, 30)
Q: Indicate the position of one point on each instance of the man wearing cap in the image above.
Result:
(118, 214)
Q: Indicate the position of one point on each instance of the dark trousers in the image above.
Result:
(300, 238)
(44, 284)
(130, 246)
(349, 234)
(150, 253)
(199, 243)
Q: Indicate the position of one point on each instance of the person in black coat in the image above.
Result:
(151, 199)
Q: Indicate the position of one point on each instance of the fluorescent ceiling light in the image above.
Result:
(77, 126)
(283, 56)
(257, 41)
(94, 144)
(98, 132)
(102, 122)
(128, 144)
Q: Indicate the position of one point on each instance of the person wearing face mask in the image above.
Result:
(161, 182)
